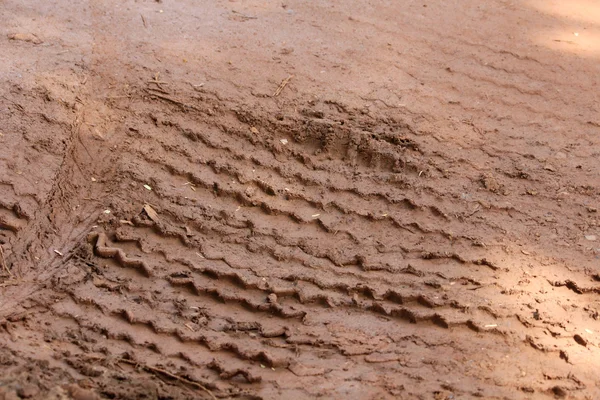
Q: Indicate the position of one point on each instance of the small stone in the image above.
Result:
(272, 298)
(580, 340)
(591, 238)
(550, 168)
(559, 391)
(560, 154)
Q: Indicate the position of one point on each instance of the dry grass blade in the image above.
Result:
(3, 260)
(282, 85)
(161, 371)
(150, 212)
(170, 100)
(244, 16)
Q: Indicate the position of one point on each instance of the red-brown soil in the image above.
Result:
(413, 215)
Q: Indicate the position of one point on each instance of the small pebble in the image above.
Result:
(580, 340)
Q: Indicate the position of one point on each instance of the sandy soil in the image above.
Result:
(412, 215)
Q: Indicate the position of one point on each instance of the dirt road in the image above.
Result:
(285, 200)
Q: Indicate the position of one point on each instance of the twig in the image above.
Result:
(564, 41)
(160, 90)
(4, 265)
(114, 97)
(282, 85)
(144, 21)
(406, 228)
(377, 99)
(477, 287)
(167, 373)
(158, 82)
(243, 15)
(170, 100)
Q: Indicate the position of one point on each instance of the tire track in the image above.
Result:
(282, 248)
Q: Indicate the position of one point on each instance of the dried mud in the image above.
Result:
(170, 229)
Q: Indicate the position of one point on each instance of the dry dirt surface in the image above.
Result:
(299, 199)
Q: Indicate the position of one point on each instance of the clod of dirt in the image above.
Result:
(381, 358)
(27, 391)
(443, 395)
(559, 391)
(491, 184)
(249, 192)
(78, 393)
(564, 355)
(303, 370)
(25, 37)
(272, 298)
(307, 112)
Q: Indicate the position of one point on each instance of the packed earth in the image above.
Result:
(290, 199)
